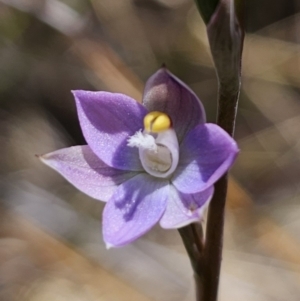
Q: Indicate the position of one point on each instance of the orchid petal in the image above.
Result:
(82, 168)
(135, 207)
(107, 120)
(166, 93)
(184, 209)
(206, 153)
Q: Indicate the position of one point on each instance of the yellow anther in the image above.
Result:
(156, 122)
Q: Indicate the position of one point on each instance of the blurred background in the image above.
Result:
(50, 235)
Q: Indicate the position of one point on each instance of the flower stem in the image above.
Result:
(225, 35)
(213, 249)
(212, 252)
(192, 237)
(206, 257)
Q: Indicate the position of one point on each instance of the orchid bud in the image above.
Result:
(225, 37)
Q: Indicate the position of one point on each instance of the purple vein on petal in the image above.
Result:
(166, 93)
(135, 207)
(183, 209)
(107, 120)
(82, 168)
(206, 153)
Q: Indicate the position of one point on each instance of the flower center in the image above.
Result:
(157, 144)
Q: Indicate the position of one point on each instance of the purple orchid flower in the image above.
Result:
(152, 162)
